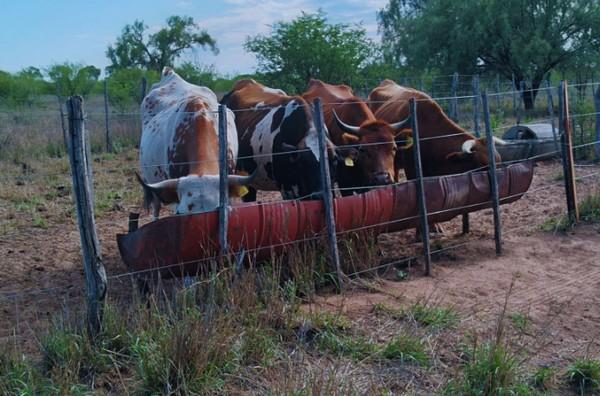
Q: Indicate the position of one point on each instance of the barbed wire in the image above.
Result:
(261, 108)
(317, 236)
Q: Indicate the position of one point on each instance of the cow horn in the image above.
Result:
(499, 141)
(400, 124)
(353, 130)
(288, 147)
(240, 180)
(467, 146)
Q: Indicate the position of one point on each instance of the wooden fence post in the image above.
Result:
(454, 101)
(108, 139)
(95, 274)
(62, 117)
(597, 134)
(492, 171)
(327, 193)
(567, 152)
(420, 187)
(223, 181)
(550, 103)
(476, 105)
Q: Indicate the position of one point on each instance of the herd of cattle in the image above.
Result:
(273, 143)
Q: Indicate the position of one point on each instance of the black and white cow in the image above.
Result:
(277, 139)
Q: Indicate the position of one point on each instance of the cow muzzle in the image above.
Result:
(382, 178)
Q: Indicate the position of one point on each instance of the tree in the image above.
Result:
(73, 78)
(527, 39)
(22, 88)
(124, 87)
(310, 47)
(198, 75)
(136, 48)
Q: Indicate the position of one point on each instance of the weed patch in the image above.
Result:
(423, 314)
(584, 375)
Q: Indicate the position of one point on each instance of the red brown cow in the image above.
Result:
(372, 148)
(457, 153)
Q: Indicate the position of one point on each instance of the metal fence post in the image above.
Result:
(597, 126)
(454, 101)
(492, 171)
(476, 105)
(420, 187)
(521, 104)
(550, 103)
(62, 117)
(567, 152)
(327, 193)
(143, 88)
(514, 95)
(223, 181)
(497, 92)
(95, 275)
(108, 139)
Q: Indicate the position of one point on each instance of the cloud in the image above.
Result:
(243, 18)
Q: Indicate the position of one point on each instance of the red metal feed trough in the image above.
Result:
(180, 244)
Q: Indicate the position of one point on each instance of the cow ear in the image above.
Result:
(350, 139)
(458, 156)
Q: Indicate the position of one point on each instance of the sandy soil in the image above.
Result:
(556, 277)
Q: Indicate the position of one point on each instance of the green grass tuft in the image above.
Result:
(519, 321)
(425, 315)
(544, 378)
(589, 212)
(584, 374)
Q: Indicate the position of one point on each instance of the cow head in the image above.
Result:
(190, 194)
(303, 166)
(371, 150)
(475, 152)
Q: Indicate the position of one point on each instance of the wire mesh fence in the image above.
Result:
(46, 195)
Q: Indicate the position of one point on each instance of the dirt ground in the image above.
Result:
(555, 276)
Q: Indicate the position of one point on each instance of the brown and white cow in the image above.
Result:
(370, 143)
(179, 150)
(457, 153)
(278, 140)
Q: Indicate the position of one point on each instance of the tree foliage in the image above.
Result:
(125, 87)
(73, 78)
(527, 39)
(22, 88)
(136, 48)
(308, 47)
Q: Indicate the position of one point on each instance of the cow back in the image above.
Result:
(179, 130)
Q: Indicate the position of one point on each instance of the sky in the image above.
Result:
(43, 32)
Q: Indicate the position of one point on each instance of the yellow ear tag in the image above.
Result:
(243, 191)
(348, 161)
(409, 143)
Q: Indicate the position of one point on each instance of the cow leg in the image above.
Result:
(250, 196)
(155, 209)
(465, 223)
(437, 228)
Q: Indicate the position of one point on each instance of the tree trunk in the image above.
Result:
(530, 92)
